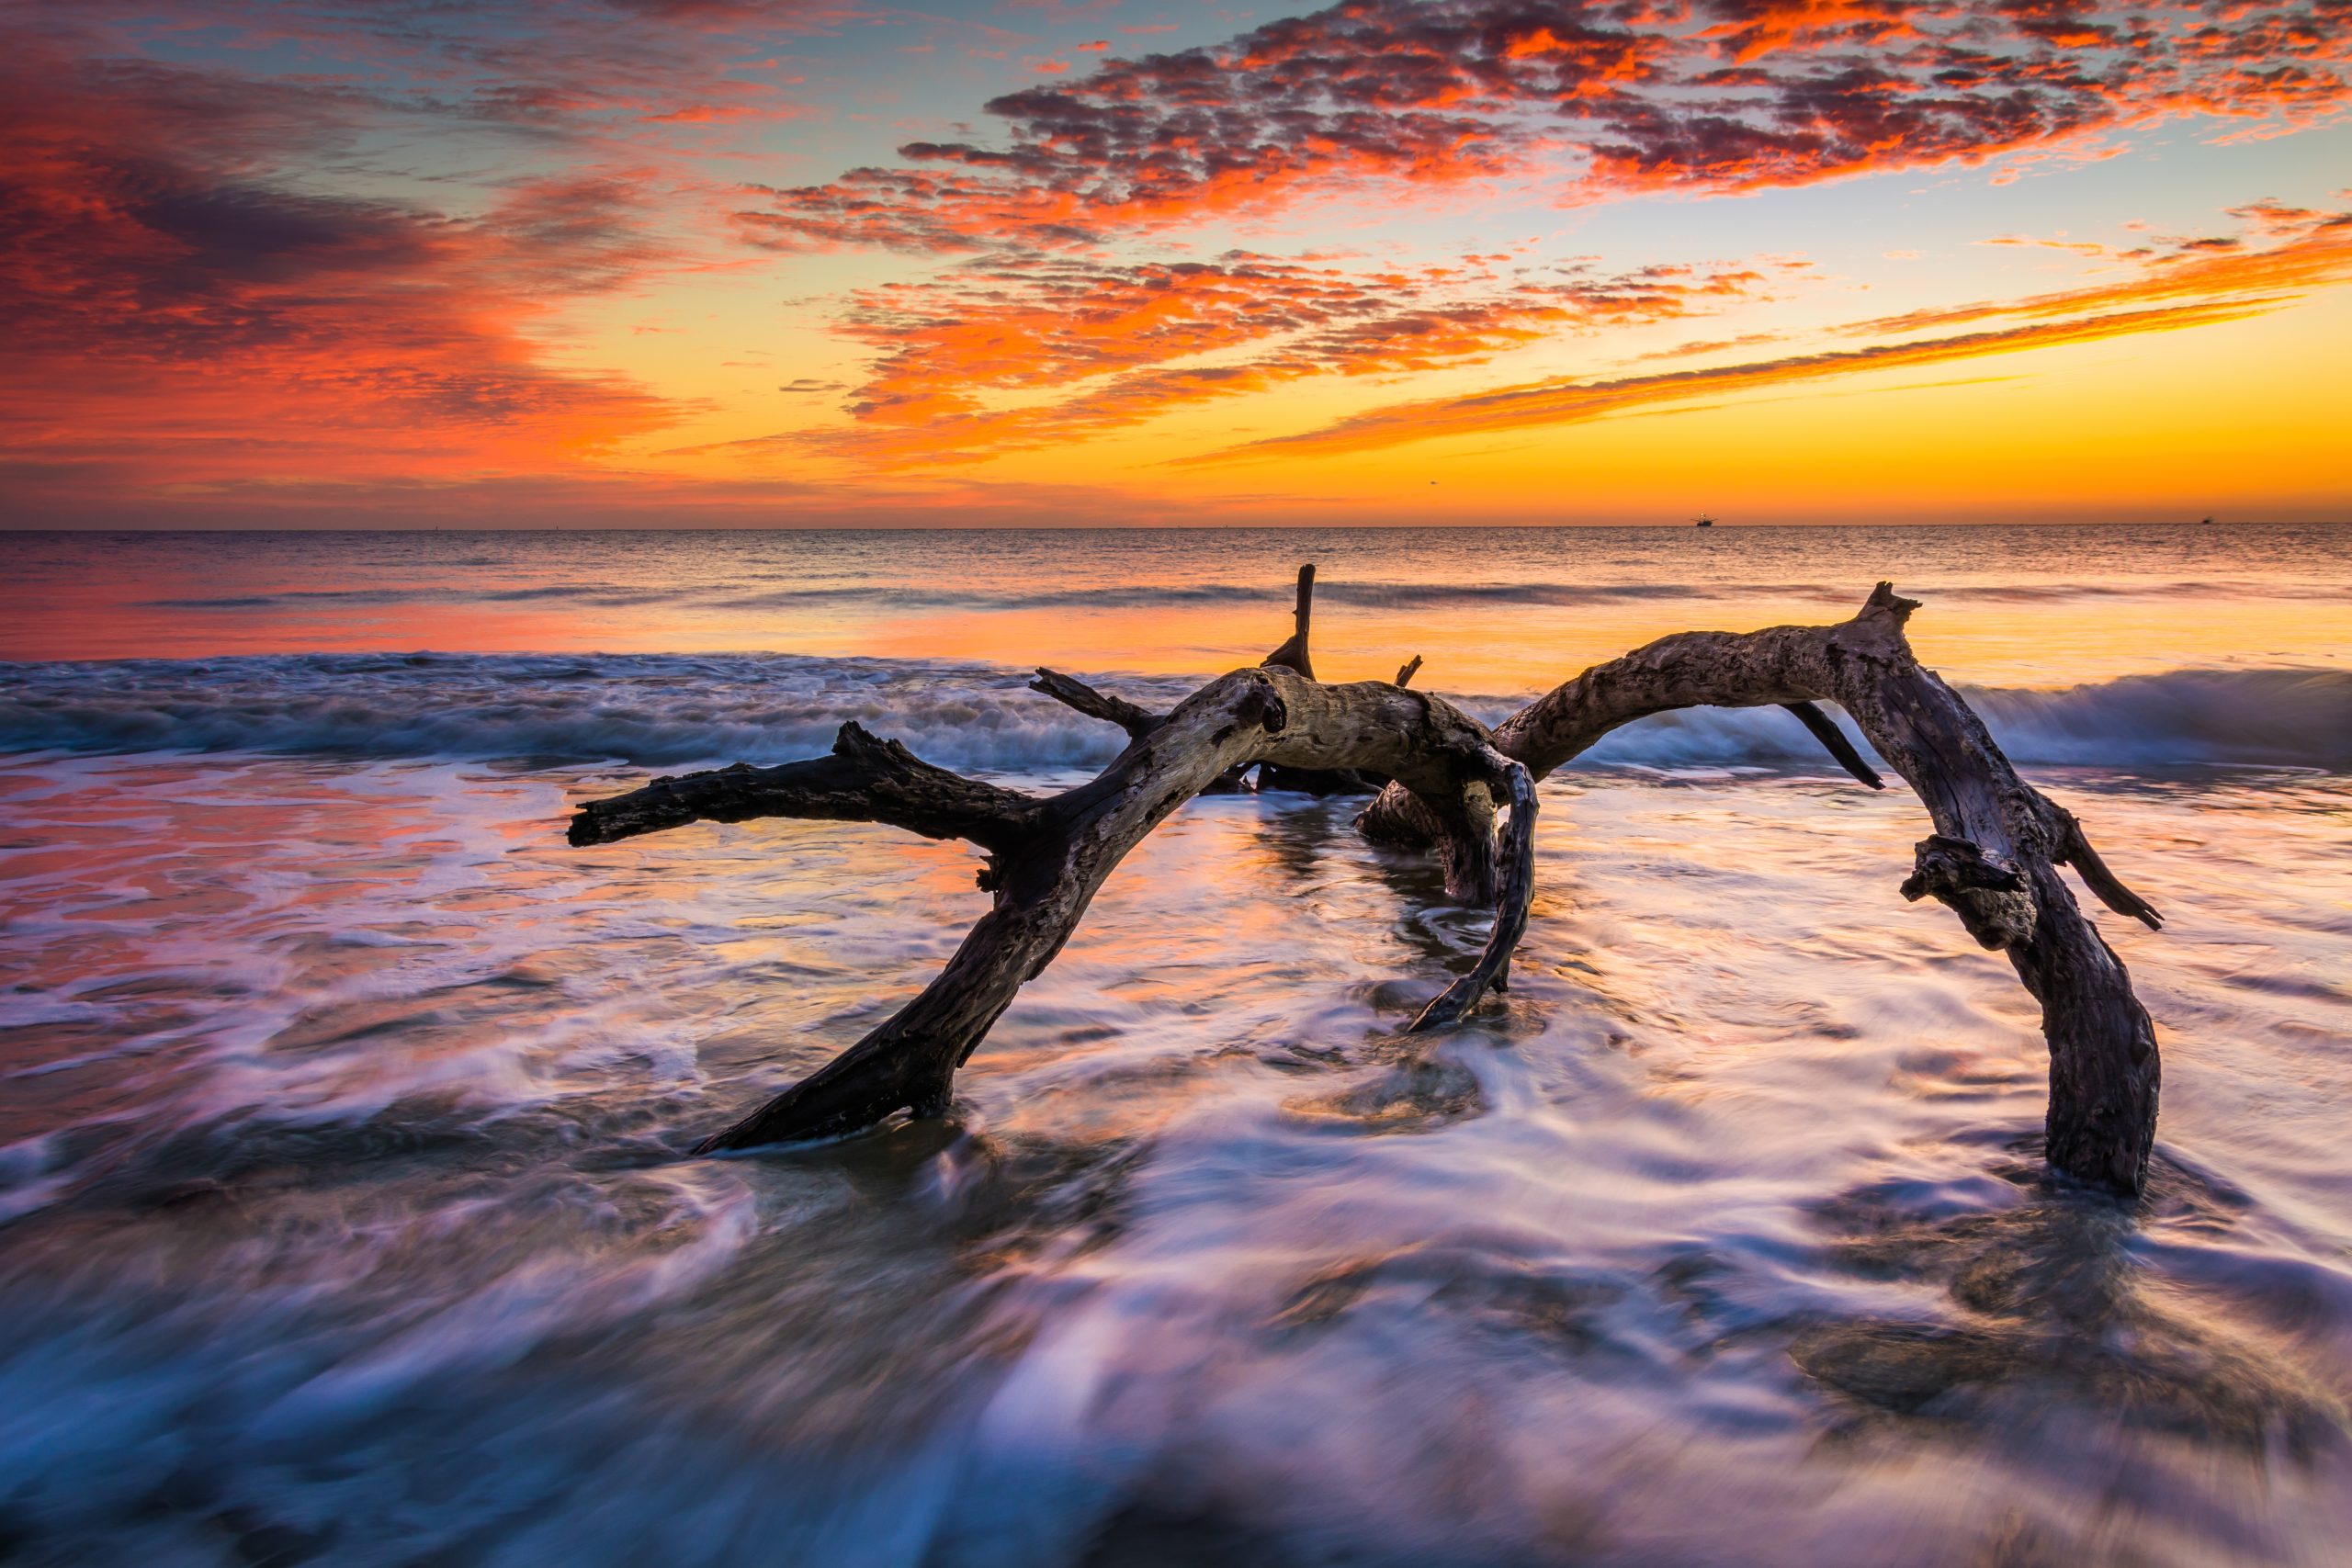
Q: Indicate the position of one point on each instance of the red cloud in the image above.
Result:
(173, 312)
(1599, 98)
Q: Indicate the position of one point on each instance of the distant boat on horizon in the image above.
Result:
(1702, 520)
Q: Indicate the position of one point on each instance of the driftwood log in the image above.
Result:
(1447, 784)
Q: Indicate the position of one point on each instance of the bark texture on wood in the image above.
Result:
(1293, 655)
(1052, 853)
(1136, 721)
(1992, 857)
(865, 780)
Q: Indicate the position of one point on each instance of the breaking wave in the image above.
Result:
(669, 708)
(2183, 718)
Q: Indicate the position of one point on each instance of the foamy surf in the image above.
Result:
(342, 1215)
(675, 709)
(344, 1210)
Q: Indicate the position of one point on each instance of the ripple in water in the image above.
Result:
(346, 1221)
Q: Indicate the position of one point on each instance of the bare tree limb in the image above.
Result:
(1073, 693)
(1051, 854)
(1825, 730)
(865, 780)
(1515, 892)
(1992, 857)
(1992, 860)
(2074, 849)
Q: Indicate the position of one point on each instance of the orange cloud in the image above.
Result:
(177, 316)
(2299, 249)
(2198, 283)
(217, 277)
(1599, 100)
(1521, 408)
(1024, 325)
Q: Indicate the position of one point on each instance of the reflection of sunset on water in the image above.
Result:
(1497, 611)
(376, 1085)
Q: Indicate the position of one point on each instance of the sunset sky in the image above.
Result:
(719, 262)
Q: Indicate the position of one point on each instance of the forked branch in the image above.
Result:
(1992, 857)
(1051, 854)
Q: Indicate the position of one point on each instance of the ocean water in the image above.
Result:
(343, 1212)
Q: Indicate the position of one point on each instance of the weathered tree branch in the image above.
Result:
(865, 780)
(1051, 854)
(2074, 849)
(1825, 730)
(1293, 655)
(1073, 693)
(1514, 892)
(1992, 857)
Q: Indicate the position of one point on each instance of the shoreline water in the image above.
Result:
(343, 1215)
(715, 709)
(1490, 610)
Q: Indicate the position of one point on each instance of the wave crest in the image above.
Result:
(668, 709)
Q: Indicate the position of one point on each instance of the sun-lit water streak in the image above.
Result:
(1491, 610)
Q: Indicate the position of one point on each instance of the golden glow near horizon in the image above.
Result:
(1458, 262)
(1496, 612)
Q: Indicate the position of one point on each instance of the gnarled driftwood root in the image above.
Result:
(1993, 857)
(1447, 783)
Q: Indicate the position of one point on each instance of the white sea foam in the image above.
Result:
(341, 1221)
(673, 708)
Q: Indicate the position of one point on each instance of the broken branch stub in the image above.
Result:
(1992, 857)
(1136, 721)
(1293, 655)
